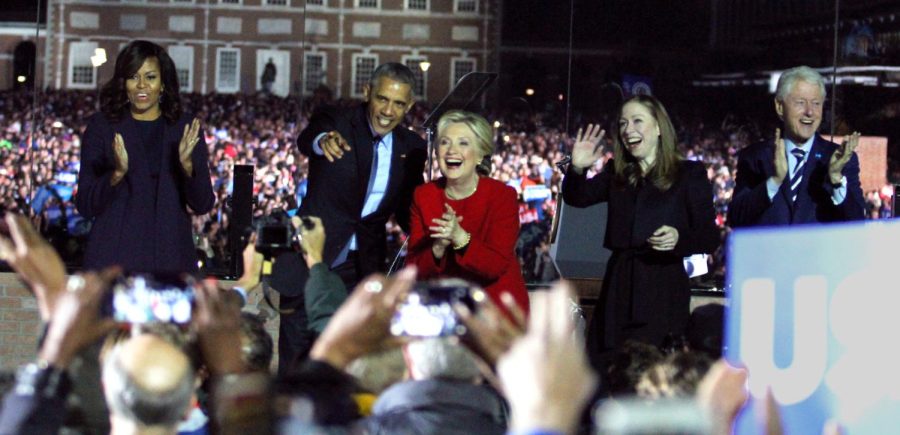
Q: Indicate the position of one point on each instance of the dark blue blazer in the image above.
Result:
(132, 227)
(337, 193)
(750, 203)
(337, 190)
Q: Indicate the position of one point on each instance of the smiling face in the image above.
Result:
(144, 89)
(389, 100)
(801, 111)
(639, 132)
(458, 152)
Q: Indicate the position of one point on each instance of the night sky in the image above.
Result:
(22, 10)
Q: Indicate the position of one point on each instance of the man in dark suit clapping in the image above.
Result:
(799, 178)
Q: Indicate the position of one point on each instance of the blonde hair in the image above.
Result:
(484, 134)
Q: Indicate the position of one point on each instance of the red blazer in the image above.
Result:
(491, 216)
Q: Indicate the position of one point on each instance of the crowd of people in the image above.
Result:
(147, 175)
(39, 178)
(158, 378)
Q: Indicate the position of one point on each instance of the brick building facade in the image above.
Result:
(223, 45)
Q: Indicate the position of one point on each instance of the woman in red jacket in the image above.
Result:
(465, 224)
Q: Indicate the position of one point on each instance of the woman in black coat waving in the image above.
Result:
(143, 169)
(660, 210)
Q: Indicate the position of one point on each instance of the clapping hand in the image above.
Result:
(780, 158)
(189, 140)
(446, 231)
(587, 147)
(841, 156)
(121, 160)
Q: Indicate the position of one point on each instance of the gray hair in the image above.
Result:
(801, 73)
(438, 358)
(394, 71)
(378, 370)
(126, 398)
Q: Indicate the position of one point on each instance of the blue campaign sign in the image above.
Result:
(814, 314)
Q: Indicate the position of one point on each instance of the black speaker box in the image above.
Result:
(577, 243)
(241, 214)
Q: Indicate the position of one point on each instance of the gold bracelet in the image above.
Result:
(463, 244)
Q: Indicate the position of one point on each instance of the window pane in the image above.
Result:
(413, 64)
(365, 66)
(315, 72)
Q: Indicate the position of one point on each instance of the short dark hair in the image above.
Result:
(394, 71)
(113, 98)
(628, 363)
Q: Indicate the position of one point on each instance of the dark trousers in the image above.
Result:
(295, 339)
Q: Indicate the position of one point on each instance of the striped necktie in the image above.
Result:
(797, 175)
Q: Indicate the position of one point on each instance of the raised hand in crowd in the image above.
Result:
(362, 324)
(120, 155)
(841, 156)
(779, 159)
(36, 262)
(312, 239)
(253, 263)
(76, 320)
(490, 333)
(721, 394)
(587, 148)
(186, 146)
(545, 376)
(217, 320)
(333, 145)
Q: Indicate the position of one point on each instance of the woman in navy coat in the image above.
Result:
(143, 169)
(660, 210)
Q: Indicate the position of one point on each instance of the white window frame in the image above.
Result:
(315, 6)
(188, 50)
(82, 51)
(228, 3)
(354, 75)
(324, 73)
(182, 1)
(134, 1)
(218, 85)
(377, 5)
(417, 70)
(453, 61)
(287, 3)
(427, 6)
(456, 7)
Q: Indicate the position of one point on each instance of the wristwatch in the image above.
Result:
(41, 378)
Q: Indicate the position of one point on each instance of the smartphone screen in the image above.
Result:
(428, 311)
(149, 299)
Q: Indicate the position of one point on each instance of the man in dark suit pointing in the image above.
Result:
(799, 178)
(363, 169)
